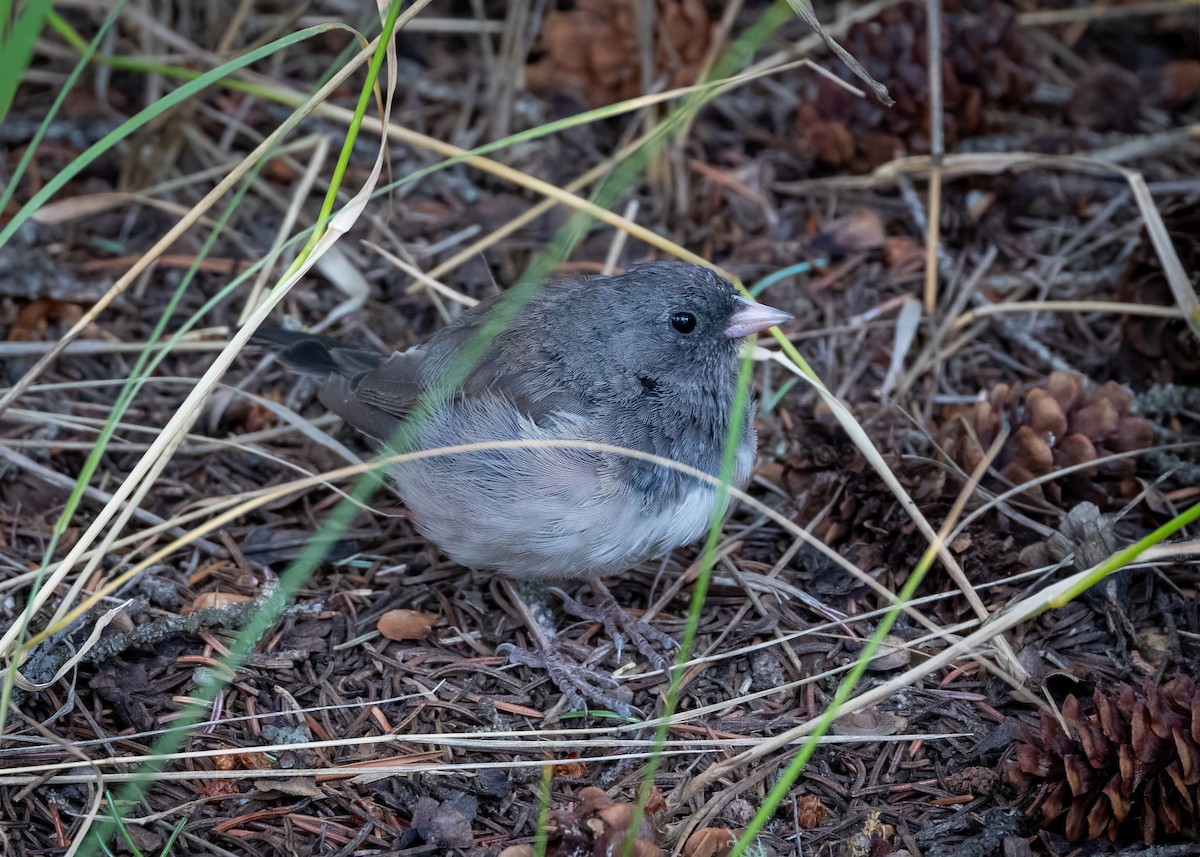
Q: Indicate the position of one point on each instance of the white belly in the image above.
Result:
(547, 512)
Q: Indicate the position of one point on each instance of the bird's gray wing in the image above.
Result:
(367, 390)
(377, 394)
(377, 402)
(515, 364)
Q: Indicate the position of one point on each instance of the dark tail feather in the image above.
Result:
(316, 355)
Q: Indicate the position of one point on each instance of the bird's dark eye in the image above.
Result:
(684, 322)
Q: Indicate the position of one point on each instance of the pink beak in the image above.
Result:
(753, 317)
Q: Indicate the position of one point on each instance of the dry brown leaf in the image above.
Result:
(810, 812)
(241, 761)
(710, 842)
(904, 254)
(857, 232)
(826, 141)
(217, 788)
(892, 654)
(406, 624)
(518, 851)
(34, 319)
(577, 770)
(215, 599)
(867, 722)
(294, 786)
(1180, 82)
(655, 803)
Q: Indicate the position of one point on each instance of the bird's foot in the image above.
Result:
(620, 624)
(581, 686)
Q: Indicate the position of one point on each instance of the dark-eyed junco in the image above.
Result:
(645, 360)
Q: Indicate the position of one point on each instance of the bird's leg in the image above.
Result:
(619, 623)
(578, 683)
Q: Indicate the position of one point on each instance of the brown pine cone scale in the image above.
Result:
(1131, 767)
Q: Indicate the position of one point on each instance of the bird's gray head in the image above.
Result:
(667, 324)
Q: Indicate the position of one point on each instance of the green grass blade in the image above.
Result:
(708, 558)
(86, 54)
(542, 834)
(343, 161)
(289, 583)
(121, 828)
(16, 47)
(1125, 556)
(175, 833)
(147, 114)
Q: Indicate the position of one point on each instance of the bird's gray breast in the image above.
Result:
(544, 509)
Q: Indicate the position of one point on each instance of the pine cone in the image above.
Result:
(984, 65)
(592, 50)
(1133, 769)
(1163, 350)
(1107, 99)
(1064, 422)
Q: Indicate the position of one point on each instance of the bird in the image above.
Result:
(645, 360)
